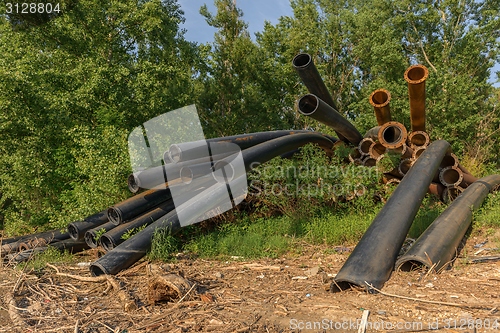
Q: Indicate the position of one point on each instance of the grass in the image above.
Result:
(51, 255)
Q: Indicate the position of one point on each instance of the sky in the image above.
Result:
(255, 13)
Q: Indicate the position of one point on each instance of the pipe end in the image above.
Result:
(114, 215)
(133, 183)
(73, 232)
(302, 60)
(416, 74)
(97, 269)
(308, 104)
(380, 98)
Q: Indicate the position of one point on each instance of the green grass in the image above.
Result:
(51, 255)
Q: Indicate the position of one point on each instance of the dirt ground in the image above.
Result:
(289, 294)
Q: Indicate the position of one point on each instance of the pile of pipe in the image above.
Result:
(125, 230)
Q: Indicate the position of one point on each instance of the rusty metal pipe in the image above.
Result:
(364, 146)
(437, 189)
(451, 176)
(416, 76)
(418, 139)
(405, 166)
(392, 135)
(30, 241)
(376, 150)
(380, 99)
(439, 243)
(312, 106)
(372, 260)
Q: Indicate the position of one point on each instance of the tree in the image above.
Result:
(72, 89)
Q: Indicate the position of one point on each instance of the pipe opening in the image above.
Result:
(186, 175)
(301, 60)
(364, 146)
(380, 98)
(132, 183)
(90, 239)
(308, 104)
(114, 215)
(418, 152)
(416, 74)
(450, 177)
(411, 265)
(377, 150)
(73, 231)
(106, 243)
(175, 153)
(338, 286)
(448, 160)
(97, 270)
(418, 140)
(392, 134)
(405, 166)
(370, 162)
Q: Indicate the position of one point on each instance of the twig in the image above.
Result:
(479, 307)
(182, 298)
(364, 321)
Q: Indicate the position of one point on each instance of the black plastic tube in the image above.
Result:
(69, 245)
(113, 237)
(92, 236)
(134, 248)
(372, 260)
(312, 106)
(77, 229)
(439, 243)
(137, 204)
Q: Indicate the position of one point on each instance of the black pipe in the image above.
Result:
(137, 204)
(32, 240)
(372, 260)
(92, 236)
(131, 250)
(69, 245)
(439, 243)
(308, 73)
(312, 106)
(113, 237)
(77, 229)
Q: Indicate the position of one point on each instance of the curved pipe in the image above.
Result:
(437, 189)
(439, 243)
(419, 139)
(392, 135)
(416, 76)
(380, 99)
(312, 106)
(128, 252)
(76, 230)
(113, 237)
(372, 260)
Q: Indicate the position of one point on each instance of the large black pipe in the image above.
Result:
(372, 260)
(128, 252)
(439, 243)
(312, 106)
(113, 237)
(77, 229)
(137, 204)
(308, 73)
(31, 241)
(92, 235)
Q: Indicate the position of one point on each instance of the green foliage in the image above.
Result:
(50, 255)
(132, 232)
(163, 245)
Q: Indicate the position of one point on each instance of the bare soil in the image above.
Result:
(289, 294)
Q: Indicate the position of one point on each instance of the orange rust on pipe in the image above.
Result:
(404, 151)
(377, 149)
(451, 176)
(364, 146)
(417, 152)
(369, 162)
(405, 166)
(450, 193)
(437, 190)
(449, 160)
(380, 99)
(416, 76)
(392, 135)
(419, 139)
